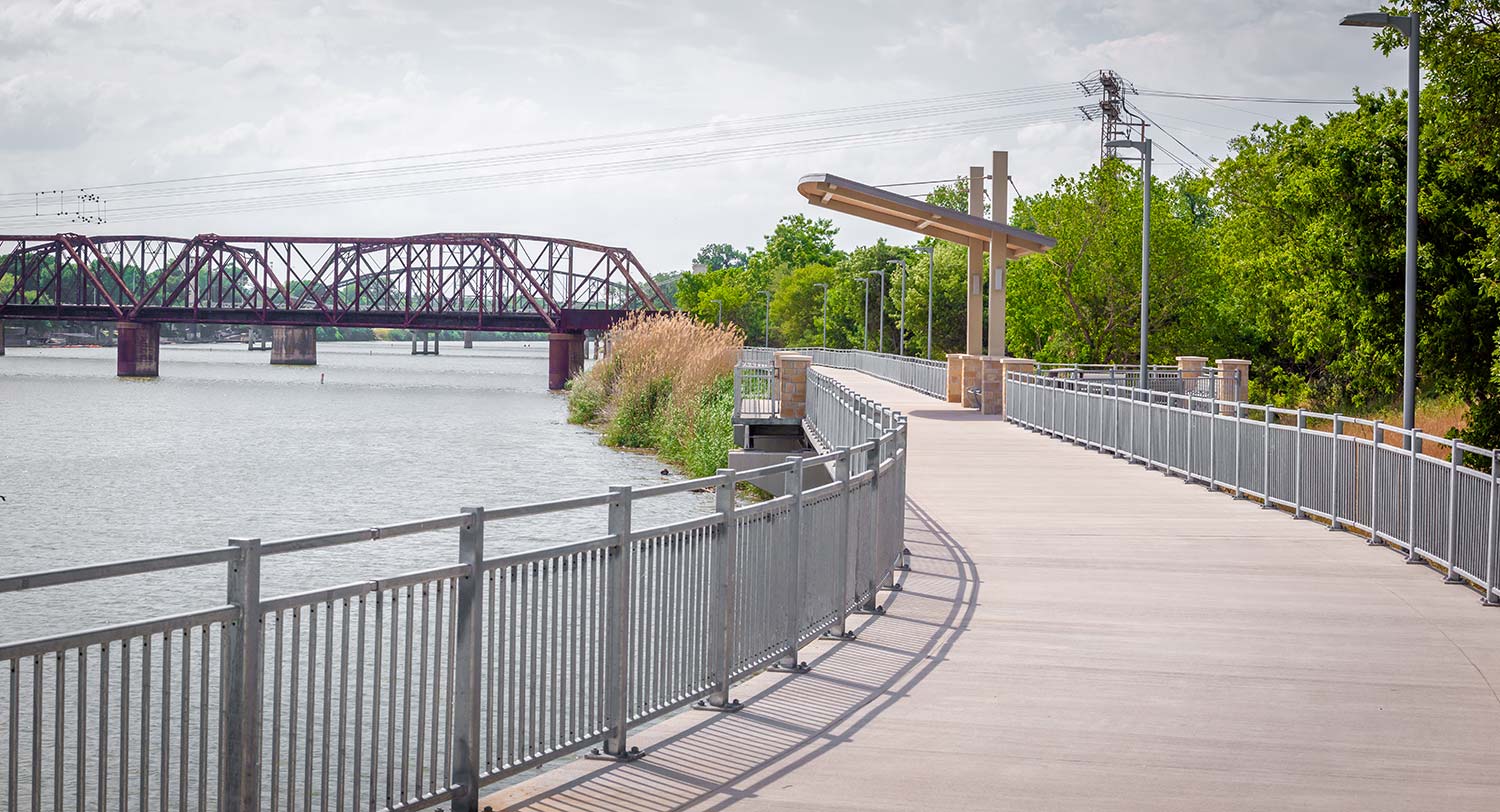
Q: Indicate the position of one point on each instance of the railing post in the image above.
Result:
(725, 589)
(1265, 451)
(1454, 454)
(617, 644)
(794, 587)
(843, 527)
(1411, 499)
(872, 463)
(1170, 451)
(1187, 466)
(1333, 488)
(1213, 440)
(1150, 430)
(1489, 552)
(240, 700)
(1376, 436)
(467, 664)
(1239, 422)
(1297, 468)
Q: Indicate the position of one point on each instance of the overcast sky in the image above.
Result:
(106, 92)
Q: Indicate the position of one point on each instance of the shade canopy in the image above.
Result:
(892, 209)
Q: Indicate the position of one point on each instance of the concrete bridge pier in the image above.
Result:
(468, 339)
(2, 337)
(137, 349)
(429, 342)
(294, 346)
(564, 358)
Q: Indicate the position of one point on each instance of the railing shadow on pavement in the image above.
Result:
(787, 722)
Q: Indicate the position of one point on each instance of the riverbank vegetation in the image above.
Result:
(1287, 249)
(666, 384)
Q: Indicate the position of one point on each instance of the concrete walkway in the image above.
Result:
(1082, 634)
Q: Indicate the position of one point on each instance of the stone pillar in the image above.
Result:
(970, 380)
(955, 377)
(468, 339)
(1000, 213)
(791, 383)
(998, 368)
(1234, 382)
(1190, 367)
(564, 358)
(297, 346)
(138, 349)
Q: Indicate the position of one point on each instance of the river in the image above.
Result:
(95, 468)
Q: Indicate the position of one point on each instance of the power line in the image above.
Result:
(1173, 94)
(1153, 123)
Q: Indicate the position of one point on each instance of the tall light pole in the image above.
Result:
(825, 312)
(719, 322)
(1410, 27)
(928, 250)
(864, 330)
(880, 308)
(901, 331)
(1145, 150)
(767, 294)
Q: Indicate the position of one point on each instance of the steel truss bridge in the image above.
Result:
(455, 281)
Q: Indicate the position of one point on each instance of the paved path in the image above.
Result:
(1082, 634)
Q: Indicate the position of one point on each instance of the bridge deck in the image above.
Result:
(1078, 633)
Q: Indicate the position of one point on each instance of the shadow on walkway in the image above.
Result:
(711, 762)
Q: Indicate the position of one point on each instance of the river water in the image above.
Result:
(94, 468)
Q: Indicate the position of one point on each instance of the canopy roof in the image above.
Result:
(882, 206)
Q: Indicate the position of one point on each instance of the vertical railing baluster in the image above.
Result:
(1376, 437)
(1297, 467)
(467, 664)
(240, 691)
(1412, 556)
(872, 464)
(1265, 451)
(842, 528)
(1490, 531)
(1239, 423)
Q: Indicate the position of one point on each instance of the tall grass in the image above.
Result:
(665, 385)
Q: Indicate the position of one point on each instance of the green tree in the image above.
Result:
(720, 255)
(797, 305)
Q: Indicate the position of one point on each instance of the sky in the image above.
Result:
(659, 126)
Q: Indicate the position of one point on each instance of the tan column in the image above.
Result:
(974, 344)
(791, 383)
(1000, 213)
(1190, 367)
(991, 384)
(1234, 381)
(955, 377)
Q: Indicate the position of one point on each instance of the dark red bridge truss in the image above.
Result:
(505, 282)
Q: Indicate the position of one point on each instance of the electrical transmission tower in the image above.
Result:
(1116, 121)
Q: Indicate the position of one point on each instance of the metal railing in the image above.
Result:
(421, 688)
(754, 391)
(928, 377)
(1425, 501)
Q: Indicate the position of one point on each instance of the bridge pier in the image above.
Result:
(137, 349)
(294, 346)
(429, 342)
(2, 336)
(564, 358)
(468, 339)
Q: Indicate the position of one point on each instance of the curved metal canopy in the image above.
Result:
(892, 209)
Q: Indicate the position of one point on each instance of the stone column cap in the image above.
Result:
(1233, 361)
(1010, 359)
(792, 356)
(1192, 358)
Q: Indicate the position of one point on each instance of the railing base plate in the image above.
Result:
(844, 635)
(732, 706)
(629, 755)
(783, 668)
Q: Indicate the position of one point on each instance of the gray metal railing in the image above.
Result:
(1424, 501)
(419, 689)
(928, 377)
(754, 391)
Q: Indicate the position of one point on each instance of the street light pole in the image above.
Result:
(1145, 149)
(929, 251)
(864, 330)
(767, 294)
(1410, 27)
(901, 331)
(824, 345)
(880, 309)
(719, 321)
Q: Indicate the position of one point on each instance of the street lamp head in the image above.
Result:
(1143, 146)
(927, 249)
(898, 262)
(1379, 19)
(822, 285)
(875, 273)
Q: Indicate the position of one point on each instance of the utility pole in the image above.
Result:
(825, 313)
